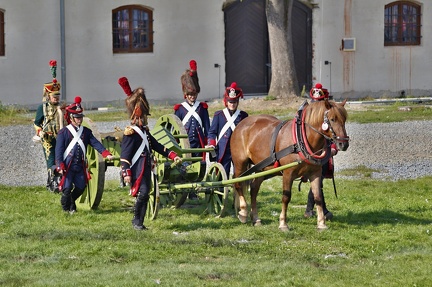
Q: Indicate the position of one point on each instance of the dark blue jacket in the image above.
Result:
(223, 145)
(197, 134)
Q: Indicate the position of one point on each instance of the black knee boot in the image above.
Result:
(139, 212)
(66, 199)
(76, 193)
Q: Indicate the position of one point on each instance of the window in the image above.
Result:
(2, 33)
(402, 24)
(132, 29)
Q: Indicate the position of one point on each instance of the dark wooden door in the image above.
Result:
(246, 46)
(302, 41)
(247, 53)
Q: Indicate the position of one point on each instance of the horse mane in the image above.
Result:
(315, 112)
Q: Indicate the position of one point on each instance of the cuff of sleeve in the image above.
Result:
(212, 142)
(126, 172)
(172, 155)
(61, 167)
(105, 153)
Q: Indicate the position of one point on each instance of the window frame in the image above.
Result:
(2, 33)
(147, 31)
(414, 26)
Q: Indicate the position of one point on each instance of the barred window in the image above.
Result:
(402, 24)
(132, 28)
(2, 33)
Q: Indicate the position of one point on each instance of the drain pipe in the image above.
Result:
(63, 49)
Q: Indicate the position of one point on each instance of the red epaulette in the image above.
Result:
(204, 105)
(176, 107)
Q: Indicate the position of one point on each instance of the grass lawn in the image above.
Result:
(380, 236)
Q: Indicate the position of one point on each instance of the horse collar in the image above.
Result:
(301, 142)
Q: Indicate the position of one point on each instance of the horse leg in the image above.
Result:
(286, 198)
(316, 187)
(242, 214)
(254, 188)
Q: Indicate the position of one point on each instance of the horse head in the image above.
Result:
(333, 124)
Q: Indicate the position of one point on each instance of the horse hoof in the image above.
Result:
(257, 223)
(322, 227)
(242, 218)
(283, 228)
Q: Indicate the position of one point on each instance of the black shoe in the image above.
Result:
(139, 227)
(328, 215)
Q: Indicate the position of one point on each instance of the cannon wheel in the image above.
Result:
(154, 200)
(175, 126)
(92, 194)
(216, 197)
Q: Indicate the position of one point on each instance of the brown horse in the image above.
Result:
(305, 139)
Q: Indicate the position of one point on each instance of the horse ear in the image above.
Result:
(327, 104)
(344, 102)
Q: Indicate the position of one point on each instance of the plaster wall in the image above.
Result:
(372, 69)
(183, 30)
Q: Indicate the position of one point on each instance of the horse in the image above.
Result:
(305, 139)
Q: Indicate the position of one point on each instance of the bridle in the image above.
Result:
(326, 125)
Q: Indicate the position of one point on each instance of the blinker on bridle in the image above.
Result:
(326, 125)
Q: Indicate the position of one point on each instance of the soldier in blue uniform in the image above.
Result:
(193, 114)
(70, 154)
(48, 122)
(136, 157)
(223, 125)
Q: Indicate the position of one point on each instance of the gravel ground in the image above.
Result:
(396, 150)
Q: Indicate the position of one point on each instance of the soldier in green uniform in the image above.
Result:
(48, 121)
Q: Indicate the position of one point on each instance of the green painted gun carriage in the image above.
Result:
(171, 183)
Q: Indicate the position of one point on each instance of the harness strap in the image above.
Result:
(274, 156)
(302, 144)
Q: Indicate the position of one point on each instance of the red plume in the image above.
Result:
(193, 65)
(234, 85)
(78, 100)
(124, 83)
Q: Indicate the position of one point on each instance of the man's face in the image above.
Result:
(77, 121)
(191, 97)
(232, 106)
(54, 99)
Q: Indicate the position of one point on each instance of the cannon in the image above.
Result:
(171, 183)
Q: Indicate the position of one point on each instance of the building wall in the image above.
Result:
(194, 29)
(183, 30)
(373, 69)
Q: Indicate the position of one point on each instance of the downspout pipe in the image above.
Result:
(63, 49)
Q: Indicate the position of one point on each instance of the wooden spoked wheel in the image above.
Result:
(175, 127)
(92, 194)
(216, 197)
(154, 200)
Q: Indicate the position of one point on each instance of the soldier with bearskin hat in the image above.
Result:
(136, 158)
(193, 114)
(70, 154)
(48, 122)
(318, 93)
(223, 125)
